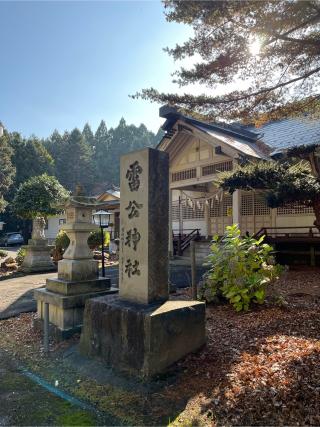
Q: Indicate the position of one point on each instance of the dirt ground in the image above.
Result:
(257, 368)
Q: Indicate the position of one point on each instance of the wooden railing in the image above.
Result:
(307, 232)
(182, 241)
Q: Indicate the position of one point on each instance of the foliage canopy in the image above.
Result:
(39, 196)
(281, 79)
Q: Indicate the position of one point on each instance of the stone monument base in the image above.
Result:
(66, 303)
(141, 339)
(37, 257)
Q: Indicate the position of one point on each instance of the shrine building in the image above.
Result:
(198, 151)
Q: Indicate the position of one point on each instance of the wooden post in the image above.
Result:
(312, 256)
(193, 269)
(180, 213)
(179, 245)
(170, 249)
(46, 328)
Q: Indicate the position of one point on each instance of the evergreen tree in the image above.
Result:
(101, 134)
(118, 141)
(75, 165)
(267, 50)
(284, 181)
(30, 158)
(88, 135)
(121, 141)
(101, 152)
(7, 170)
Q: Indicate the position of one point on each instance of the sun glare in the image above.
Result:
(254, 47)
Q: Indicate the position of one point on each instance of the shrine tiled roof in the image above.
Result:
(268, 140)
(283, 134)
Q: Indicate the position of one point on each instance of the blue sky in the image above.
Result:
(63, 64)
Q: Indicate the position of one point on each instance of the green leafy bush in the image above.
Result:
(62, 241)
(20, 256)
(3, 253)
(94, 240)
(240, 270)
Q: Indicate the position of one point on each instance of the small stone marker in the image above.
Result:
(143, 271)
(139, 331)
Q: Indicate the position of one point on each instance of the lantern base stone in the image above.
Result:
(66, 310)
(139, 339)
(37, 258)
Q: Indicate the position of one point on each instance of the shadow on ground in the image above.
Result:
(24, 304)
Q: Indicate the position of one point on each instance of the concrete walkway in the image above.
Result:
(16, 295)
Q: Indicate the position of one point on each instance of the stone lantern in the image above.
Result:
(37, 258)
(78, 273)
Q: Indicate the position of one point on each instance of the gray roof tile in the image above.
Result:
(283, 134)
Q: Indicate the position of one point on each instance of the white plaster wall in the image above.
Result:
(190, 224)
(53, 226)
(294, 220)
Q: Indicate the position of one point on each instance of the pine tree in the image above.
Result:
(284, 181)
(280, 79)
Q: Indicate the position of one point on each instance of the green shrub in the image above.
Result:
(3, 253)
(94, 240)
(62, 241)
(240, 270)
(20, 256)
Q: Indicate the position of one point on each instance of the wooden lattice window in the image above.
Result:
(175, 210)
(260, 205)
(294, 208)
(254, 204)
(222, 207)
(214, 208)
(217, 167)
(188, 212)
(183, 175)
(226, 205)
(246, 204)
(195, 212)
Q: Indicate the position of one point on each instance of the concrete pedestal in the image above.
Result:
(141, 339)
(37, 257)
(66, 303)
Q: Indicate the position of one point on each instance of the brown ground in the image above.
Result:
(258, 368)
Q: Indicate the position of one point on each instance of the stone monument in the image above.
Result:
(140, 331)
(37, 256)
(78, 273)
